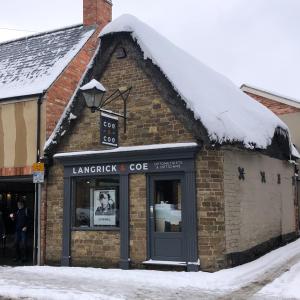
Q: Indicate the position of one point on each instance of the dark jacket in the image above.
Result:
(21, 219)
(2, 225)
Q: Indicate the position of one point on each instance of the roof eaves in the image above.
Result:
(270, 95)
(19, 98)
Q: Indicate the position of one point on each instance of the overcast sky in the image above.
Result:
(250, 41)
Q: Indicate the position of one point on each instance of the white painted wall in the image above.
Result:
(255, 212)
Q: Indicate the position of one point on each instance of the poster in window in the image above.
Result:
(105, 211)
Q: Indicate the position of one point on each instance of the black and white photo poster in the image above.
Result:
(105, 211)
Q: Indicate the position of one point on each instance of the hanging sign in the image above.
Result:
(109, 130)
(38, 172)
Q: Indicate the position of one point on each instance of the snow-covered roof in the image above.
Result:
(226, 112)
(30, 65)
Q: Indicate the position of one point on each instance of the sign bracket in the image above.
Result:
(124, 94)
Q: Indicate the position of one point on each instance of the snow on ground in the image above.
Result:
(91, 283)
(286, 286)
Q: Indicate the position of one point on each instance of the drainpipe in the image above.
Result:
(38, 127)
(38, 189)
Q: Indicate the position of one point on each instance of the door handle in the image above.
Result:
(151, 211)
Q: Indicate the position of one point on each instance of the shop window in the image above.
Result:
(168, 196)
(96, 203)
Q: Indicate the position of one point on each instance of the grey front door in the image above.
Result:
(166, 235)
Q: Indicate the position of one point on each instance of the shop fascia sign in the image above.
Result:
(136, 167)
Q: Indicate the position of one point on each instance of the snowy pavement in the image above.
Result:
(273, 276)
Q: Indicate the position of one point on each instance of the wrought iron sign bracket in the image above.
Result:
(122, 93)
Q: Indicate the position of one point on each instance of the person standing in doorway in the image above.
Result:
(21, 223)
(2, 226)
(2, 233)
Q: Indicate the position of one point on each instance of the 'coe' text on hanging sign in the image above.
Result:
(109, 130)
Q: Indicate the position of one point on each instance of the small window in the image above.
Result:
(96, 203)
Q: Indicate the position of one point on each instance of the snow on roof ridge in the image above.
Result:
(228, 114)
(250, 86)
(43, 33)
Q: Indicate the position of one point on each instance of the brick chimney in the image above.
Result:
(97, 12)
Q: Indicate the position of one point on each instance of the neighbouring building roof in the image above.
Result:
(270, 95)
(228, 114)
(30, 65)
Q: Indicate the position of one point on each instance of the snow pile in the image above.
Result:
(93, 84)
(90, 283)
(286, 286)
(227, 113)
(30, 65)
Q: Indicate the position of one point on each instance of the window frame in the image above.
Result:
(73, 204)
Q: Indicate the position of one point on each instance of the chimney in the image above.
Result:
(97, 12)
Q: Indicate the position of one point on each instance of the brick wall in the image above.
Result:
(16, 171)
(276, 107)
(59, 94)
(95, 12)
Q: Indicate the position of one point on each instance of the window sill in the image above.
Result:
(100, 228)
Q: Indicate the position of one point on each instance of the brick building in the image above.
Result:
(287, 109)
(200, 176)
(38, 75)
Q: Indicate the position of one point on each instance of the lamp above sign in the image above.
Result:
(109, 132)
(94, 96)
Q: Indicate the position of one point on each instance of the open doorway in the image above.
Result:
(10, 193)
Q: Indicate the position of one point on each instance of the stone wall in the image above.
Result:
(138, 219)
(54, 210)
(150, 121)
(95, 248)
(210, 206)
(257, 212)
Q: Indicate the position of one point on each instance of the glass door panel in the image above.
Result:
(167, 205)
